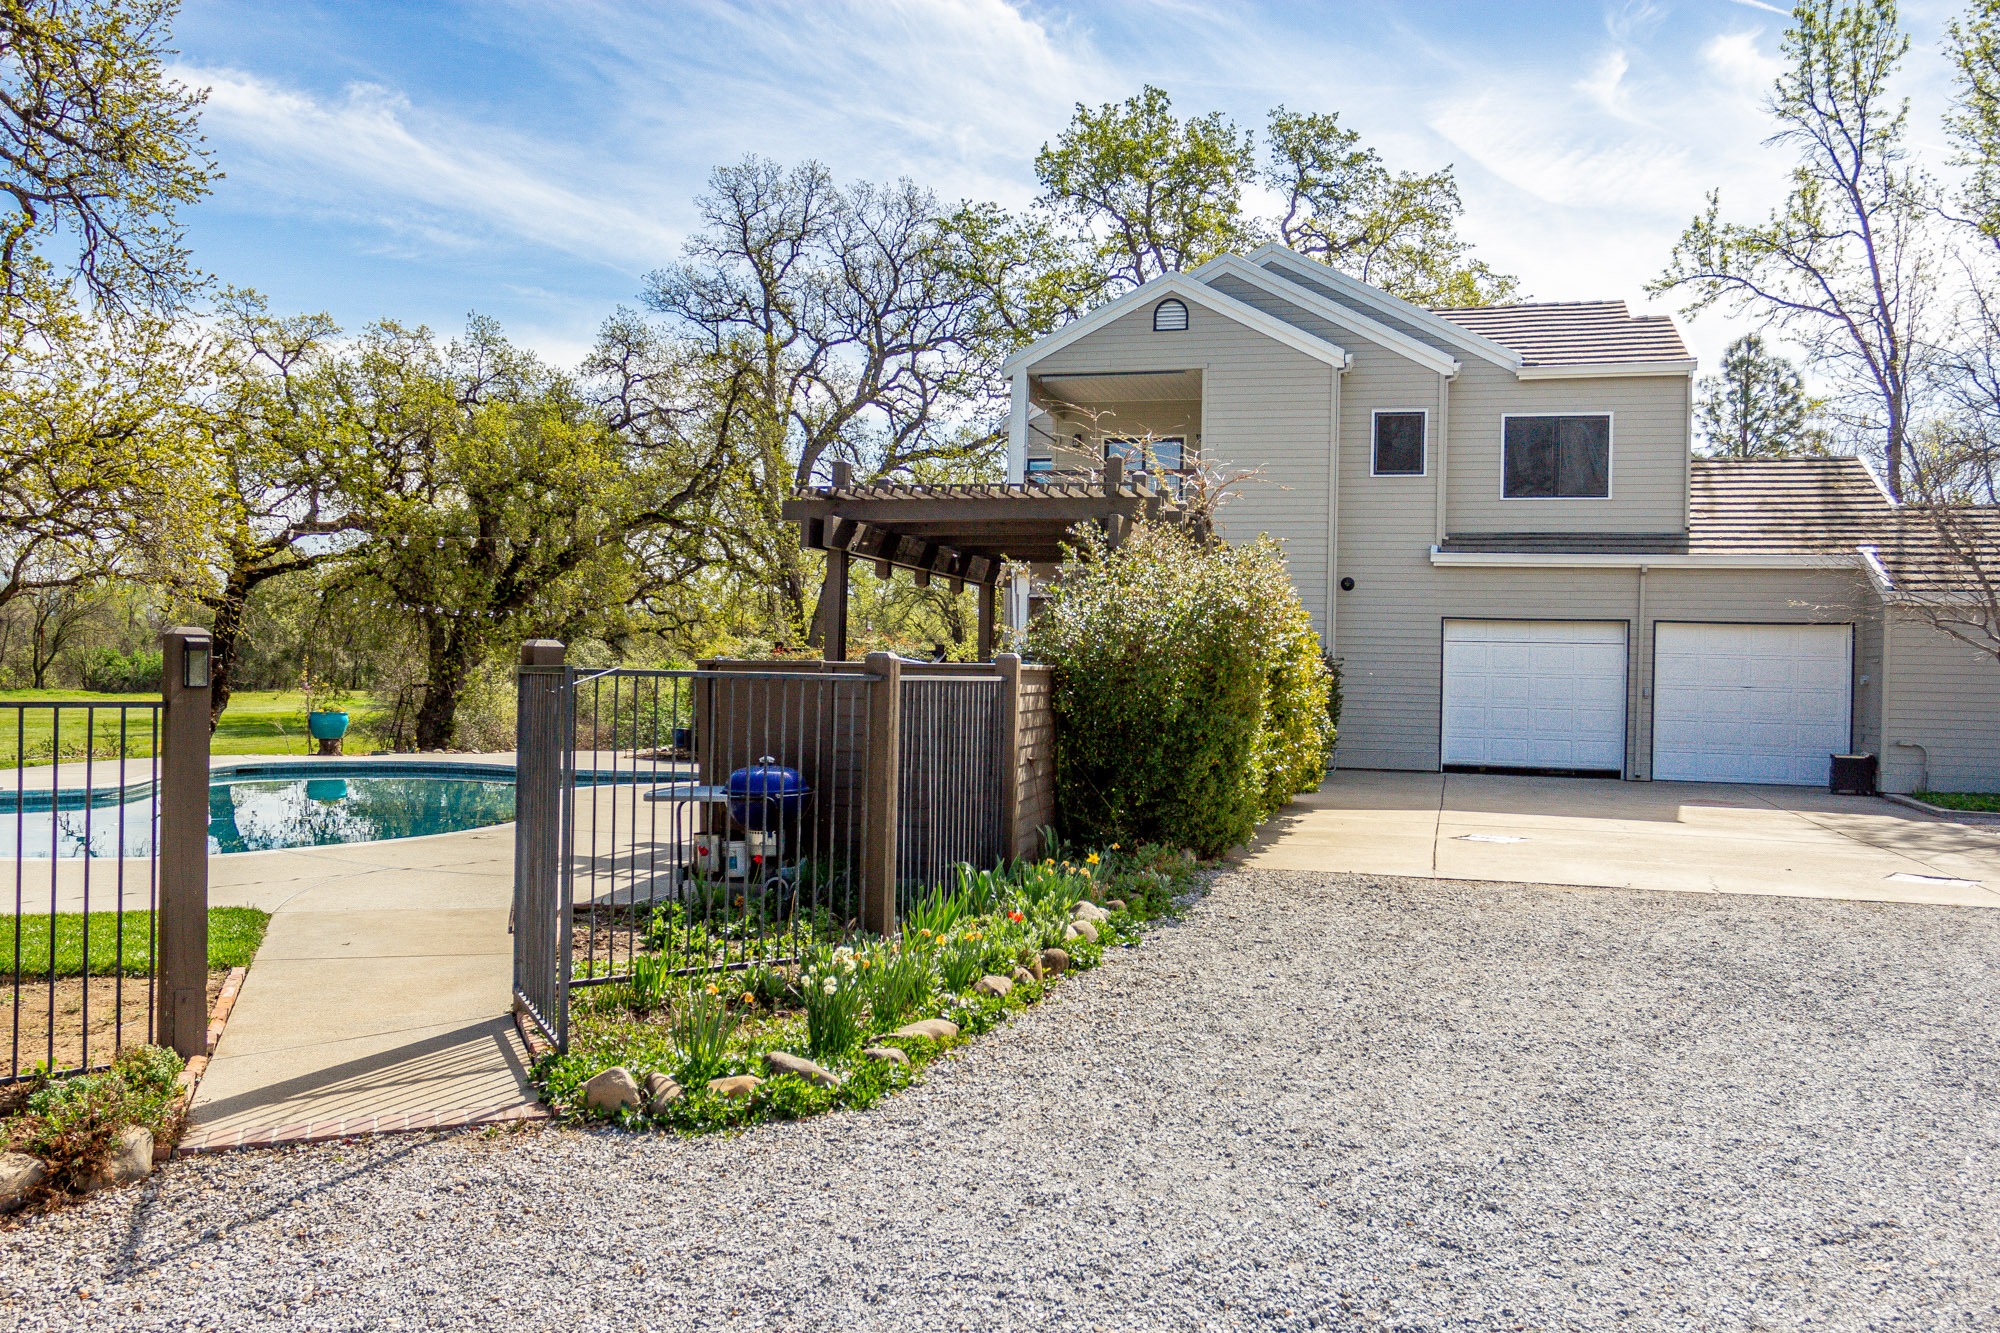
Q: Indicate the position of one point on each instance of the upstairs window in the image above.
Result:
(1557, 458)
(1170, 316)
(1399, 444)
(1147, 455)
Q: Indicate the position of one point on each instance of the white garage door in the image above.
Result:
(1750, 703)
(1535, 694)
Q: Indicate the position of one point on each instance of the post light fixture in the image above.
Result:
(194, 664)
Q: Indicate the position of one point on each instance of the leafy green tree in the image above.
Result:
(1848, 265)
(1396, 230)
(271, 475)
(499, 495)
(99, 149)
(1153, 194)
(1757, 407)
(1130, 192)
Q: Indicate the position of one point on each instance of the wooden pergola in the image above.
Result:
(963, 533)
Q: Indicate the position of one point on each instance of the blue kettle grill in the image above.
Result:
(765, 795)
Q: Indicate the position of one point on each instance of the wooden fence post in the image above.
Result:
(541, 917)
(878, 853)
(1009, 665)
(180, 992)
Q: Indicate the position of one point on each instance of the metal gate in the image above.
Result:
(703, 819)
(948, 777)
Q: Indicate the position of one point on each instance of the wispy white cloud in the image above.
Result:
(373, 154)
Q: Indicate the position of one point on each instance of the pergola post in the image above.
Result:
(833, 605)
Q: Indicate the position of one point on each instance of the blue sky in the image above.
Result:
(532, 161)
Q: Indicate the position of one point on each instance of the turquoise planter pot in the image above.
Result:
(326, 726)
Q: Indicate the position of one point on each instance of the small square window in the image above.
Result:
(1399, 444)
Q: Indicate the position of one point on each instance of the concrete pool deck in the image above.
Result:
(380, 1000)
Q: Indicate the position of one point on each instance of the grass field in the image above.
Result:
(233, 936)
(256, 722)
(1980, 802)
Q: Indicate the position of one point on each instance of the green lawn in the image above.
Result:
(1980, 802)
(233, 936)
(256, 722)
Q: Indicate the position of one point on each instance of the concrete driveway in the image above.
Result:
(1682, 836)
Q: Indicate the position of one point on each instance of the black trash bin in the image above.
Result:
(1851, 775)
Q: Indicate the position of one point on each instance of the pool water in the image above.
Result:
(265, 812)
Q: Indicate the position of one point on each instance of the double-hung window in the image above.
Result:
(1557, 457)
(1399, 444)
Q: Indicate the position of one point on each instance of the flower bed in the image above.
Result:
(848, 1021)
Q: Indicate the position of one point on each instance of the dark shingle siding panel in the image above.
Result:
(1573, 332)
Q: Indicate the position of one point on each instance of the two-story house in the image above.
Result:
(1496, 520)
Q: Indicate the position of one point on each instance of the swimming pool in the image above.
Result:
(265, 807)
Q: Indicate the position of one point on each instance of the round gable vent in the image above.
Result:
(1170, 316)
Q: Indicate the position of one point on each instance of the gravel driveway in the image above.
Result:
(1320, 1102)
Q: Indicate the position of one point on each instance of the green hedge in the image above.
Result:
(1191, 694)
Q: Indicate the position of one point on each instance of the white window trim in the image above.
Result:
(1610, 460)
(1374, 453)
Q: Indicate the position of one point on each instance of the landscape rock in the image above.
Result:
(613, 1090)
(1055, 961)
(1116, 904)
(997, 987)
(1022, 976)
(937, 1029)
(740, 1085)
(661, 1092)
(1090, 912)
(783, 1062)
(1081, 930)
(20, 1173)
(131, 1159)
(891, 1054)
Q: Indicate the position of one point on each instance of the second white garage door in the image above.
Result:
(1750, 703)
(1535, 694)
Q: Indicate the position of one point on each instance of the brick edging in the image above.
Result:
(531, 1035)
(218, 1019)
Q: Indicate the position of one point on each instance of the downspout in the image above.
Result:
(1333, 512)
(1443, 452)
(1017, 472)
(1640, 691)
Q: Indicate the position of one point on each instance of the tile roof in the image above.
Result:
(1572, 333)
(1833, 505)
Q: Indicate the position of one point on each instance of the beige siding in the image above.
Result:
(1649, 452)
(1391, 637)
(1265, 406)
(1943, 715)
(1035, 762)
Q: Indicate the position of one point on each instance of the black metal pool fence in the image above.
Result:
(97, 822)
(735, 814)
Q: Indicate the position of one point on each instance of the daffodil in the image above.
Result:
(1091, 859)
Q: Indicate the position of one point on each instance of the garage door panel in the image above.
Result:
(1535, 694)
(1750, 703)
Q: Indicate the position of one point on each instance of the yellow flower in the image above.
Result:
(749, 998)
(1114, 846)
(864, 962)
(713, 991)
(1091, 859)
(925, 933)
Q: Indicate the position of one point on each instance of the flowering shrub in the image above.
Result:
(1190, 692)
